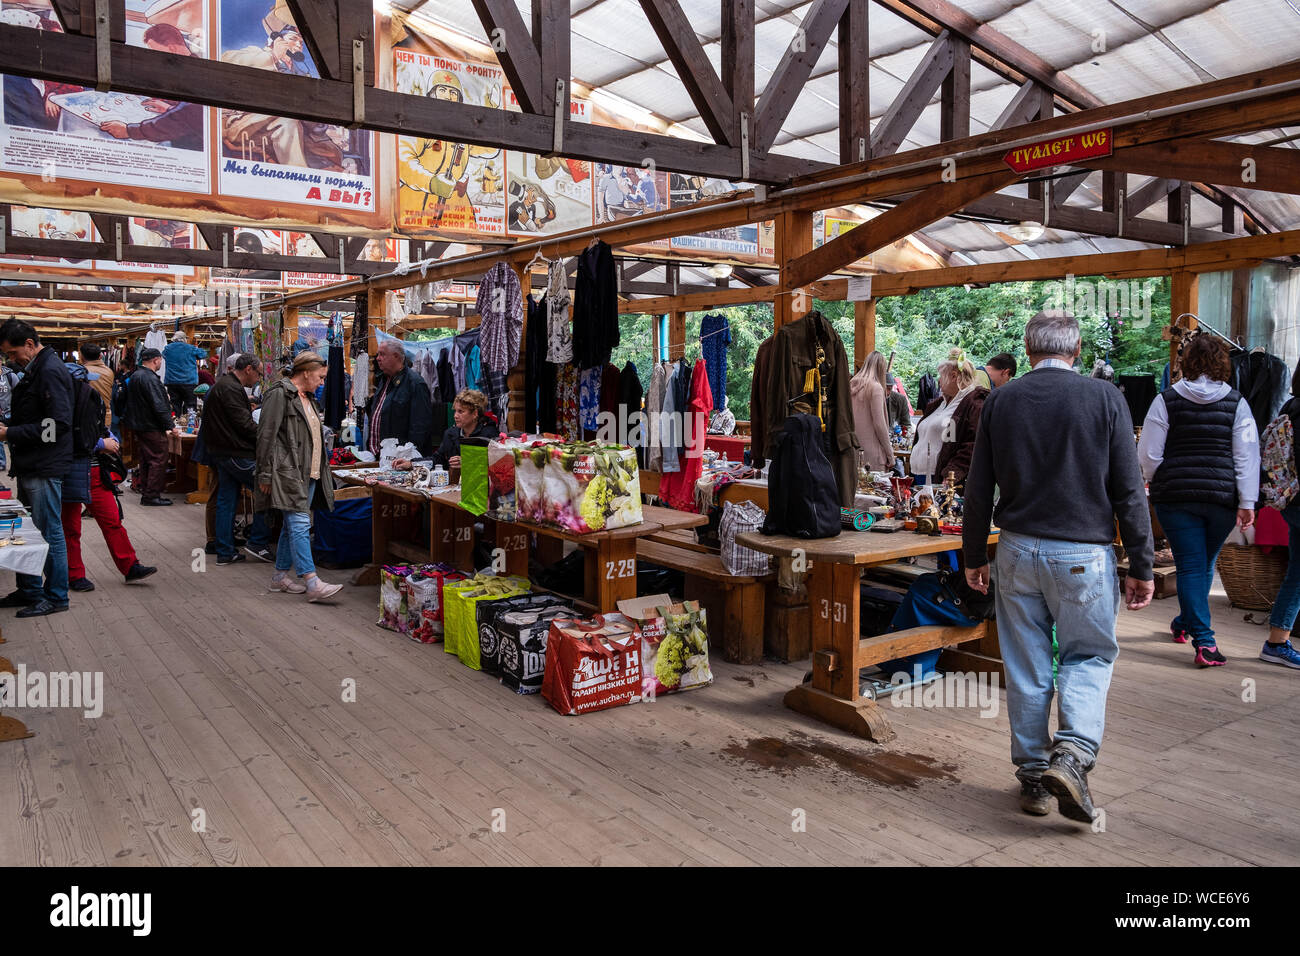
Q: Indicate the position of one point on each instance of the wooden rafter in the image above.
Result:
(514, 48)
(912, 100)
(854, 49)
(904, 219)
(796, 65)
(738, 62)
(688, 58)
(1032, 101)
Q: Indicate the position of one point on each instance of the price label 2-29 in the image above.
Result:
(625, 568)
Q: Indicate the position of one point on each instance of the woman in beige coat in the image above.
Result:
(868, 389)
(293, 471)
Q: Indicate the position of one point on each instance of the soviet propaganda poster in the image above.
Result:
(547, 194)
(273, 157)
(60, 130)
(443, 186)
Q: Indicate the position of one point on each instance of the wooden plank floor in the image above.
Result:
(223, 698)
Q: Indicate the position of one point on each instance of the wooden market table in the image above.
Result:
(609, 556)
(188, 475)
(839, 652)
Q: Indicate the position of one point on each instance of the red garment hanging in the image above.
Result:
(677, 488)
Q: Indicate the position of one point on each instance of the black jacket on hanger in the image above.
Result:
(595, 307)
(927, 390)
(1264, 383)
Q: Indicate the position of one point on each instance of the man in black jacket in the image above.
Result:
(401, 407)
(231, 437)
(149, 416)
(1059, 448)
(40, 436)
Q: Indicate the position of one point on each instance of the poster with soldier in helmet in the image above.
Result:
(447, 187)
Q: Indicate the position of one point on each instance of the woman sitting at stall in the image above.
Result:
(945, 436)
(293, 471)
(469, 411)
(1200, 452)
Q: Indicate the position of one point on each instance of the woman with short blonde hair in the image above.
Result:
(945, 436)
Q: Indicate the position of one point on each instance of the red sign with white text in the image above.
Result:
(1061, 151)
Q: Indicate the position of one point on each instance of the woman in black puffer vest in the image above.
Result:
(1200, 452)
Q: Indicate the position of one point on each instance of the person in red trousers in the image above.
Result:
(84, 486)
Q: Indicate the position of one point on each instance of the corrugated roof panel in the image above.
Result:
(621, 25)
(1239, 35)
(890, 33)
(1140, 68)
(596, 64)
(1062, 33)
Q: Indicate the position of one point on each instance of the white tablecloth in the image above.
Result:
(28, 558)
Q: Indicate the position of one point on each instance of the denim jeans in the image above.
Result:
(1287, 605)
(233, 474)
(294, 550)
(1196, 532)
(44, 498)
(1041, 581)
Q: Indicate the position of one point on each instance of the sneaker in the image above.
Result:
(231, 559)
(286, 584)
(322, 591)
(139, 571)
(81, 584)
(1180, 636)
(210, 547)
(262, 554)
(41, 609)
(1284, 654)
(1210, 656)
(1034, 798)
(1066, 780)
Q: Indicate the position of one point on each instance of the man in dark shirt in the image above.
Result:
(1059, 448)
(149, 416)
(401, 407)
(39, 433)
(231, 437)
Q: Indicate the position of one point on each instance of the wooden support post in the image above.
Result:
(864, 331)
(793, 239)
(1182, 300)
(290, 320)
(1239, 326)
(375, 315)
(676, 335)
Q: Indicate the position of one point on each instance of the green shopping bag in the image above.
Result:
(474, 475)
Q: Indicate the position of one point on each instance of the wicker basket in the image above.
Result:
(1251, 576)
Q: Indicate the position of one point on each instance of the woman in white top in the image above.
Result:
(945, 437)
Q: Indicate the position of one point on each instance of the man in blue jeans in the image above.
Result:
(1059, 448)
(230, 435)
(39, 433)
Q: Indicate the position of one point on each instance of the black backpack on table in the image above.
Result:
(803, 498)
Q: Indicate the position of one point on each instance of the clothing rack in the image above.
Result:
(1200, 324)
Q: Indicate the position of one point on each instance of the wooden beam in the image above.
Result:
(854, 50)
(69, 58)
(684, 50)
(551, 37)
(698, 302)
(926, 207)
(864, 331)
(1183, 309)
(1238, 325)
(793, 241)
(1232, 220)
(1272, 169)
(1177, 210)
(912, 100)
(937, 15)
(796, 66)
(1148, 195)
(1065, 187)
(1032, 102)
(954, 97)
(738, 64)
(318, 22)
(515, 50)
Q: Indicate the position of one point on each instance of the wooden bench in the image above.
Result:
(734, 604)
